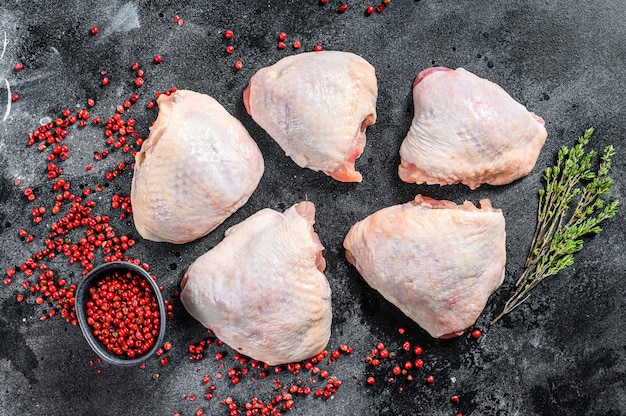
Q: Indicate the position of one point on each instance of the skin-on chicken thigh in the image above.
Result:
(197, 167)
(438, 262)
(316, 106)
(468, 130)
(262, 290)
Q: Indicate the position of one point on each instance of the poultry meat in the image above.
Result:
(468, 130)
(262, 289)
(438, 262)
(317, 106)
(197, 167)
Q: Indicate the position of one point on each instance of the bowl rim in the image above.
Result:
(80, 306)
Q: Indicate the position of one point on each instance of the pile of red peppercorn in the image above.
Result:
(230, 49)
(124, 314)
(380, 354)
(310, 377)
(403, 366)
(379, 8)
(69, 213)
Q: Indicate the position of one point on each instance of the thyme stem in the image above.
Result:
(560, 227)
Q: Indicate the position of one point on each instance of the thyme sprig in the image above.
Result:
(571, 205)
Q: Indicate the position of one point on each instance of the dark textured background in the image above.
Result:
(563, 352)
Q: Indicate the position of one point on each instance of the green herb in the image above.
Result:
(570, 206)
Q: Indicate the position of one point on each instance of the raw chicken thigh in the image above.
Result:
(197, 167)
(438, 262)
(316, 106)
(262, 290)
(468, 130)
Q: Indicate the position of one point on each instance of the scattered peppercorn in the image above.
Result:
(343, 8)
(229, 34)
(158, 59)
(19, 66)
(94, 30)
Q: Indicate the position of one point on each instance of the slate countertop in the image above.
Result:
(563, 352)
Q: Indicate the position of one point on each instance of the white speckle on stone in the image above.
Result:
(8, 110)
(4, 45)
(124, 20)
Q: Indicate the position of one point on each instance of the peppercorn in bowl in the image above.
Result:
(121, 313)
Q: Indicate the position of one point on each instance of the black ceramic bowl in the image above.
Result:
(83, 296)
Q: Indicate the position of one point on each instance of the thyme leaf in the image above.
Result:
(571, 205)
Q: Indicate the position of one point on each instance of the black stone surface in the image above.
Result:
(563, 352)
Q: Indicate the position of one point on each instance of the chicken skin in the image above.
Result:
(262, 290)
(197, 167)
(317, 106)
(468, 130)
(438, 262)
